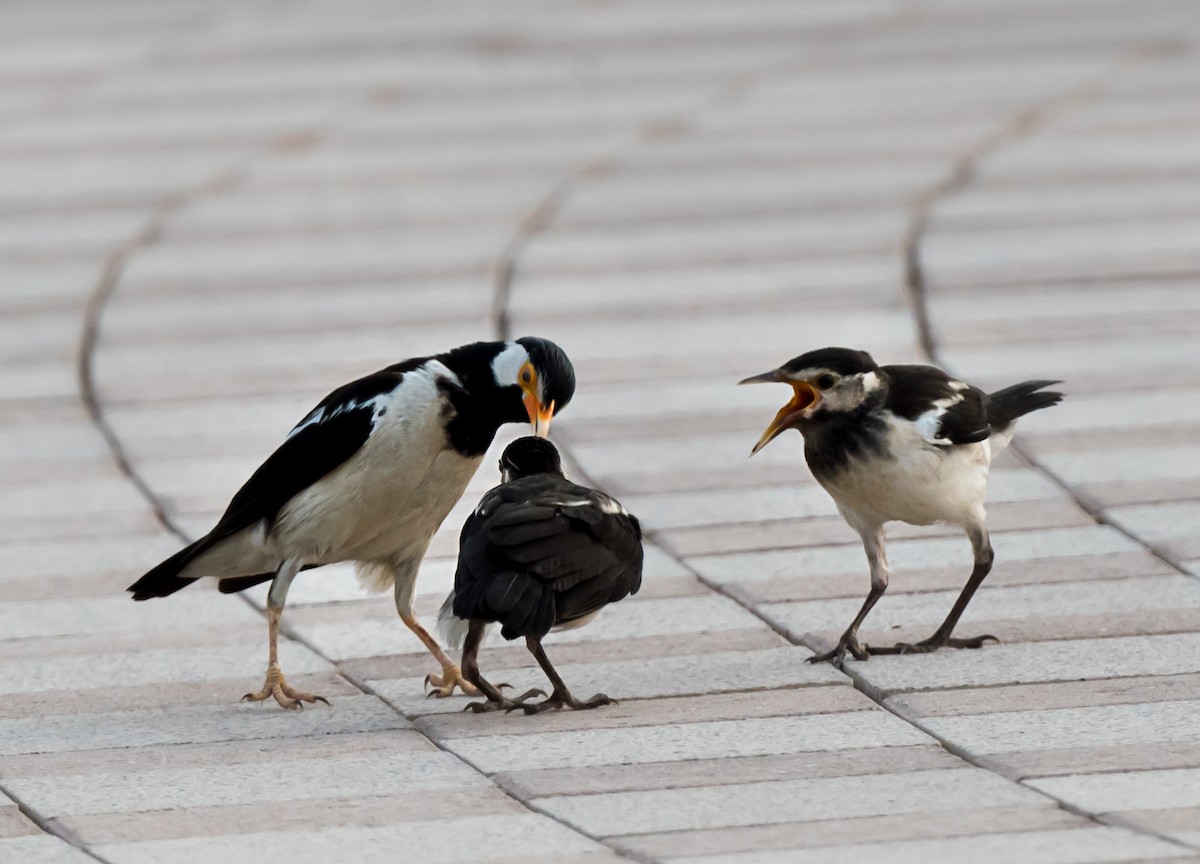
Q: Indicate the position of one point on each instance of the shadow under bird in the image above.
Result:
(368, 476)
(900, 443)
(539, 553)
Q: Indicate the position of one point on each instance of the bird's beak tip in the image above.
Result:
(764, 378)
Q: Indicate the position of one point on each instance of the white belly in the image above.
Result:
(919, 483)
(389, 498)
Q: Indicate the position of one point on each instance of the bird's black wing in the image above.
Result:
(960, 409)
(539, 553)
(329, 435)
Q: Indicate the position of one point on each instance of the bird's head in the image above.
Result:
(824, 383)
(540, 377)
(528, 456)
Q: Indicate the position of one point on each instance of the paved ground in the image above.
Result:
(210, 214)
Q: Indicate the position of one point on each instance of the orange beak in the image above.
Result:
(804, 396)
(539, 416)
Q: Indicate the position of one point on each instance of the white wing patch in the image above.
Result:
(929, 423)
(378, 404)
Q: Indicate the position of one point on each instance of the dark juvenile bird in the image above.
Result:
(539, 553)
(903, 443)
(368, 476)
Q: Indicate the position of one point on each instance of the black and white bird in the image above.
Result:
(368, 476)
(900, 443)
(539, 553)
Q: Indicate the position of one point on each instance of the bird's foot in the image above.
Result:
(557, 700)
(503, 703)
(848, 642)
(933, 643)
(443, 685)
(276, 685)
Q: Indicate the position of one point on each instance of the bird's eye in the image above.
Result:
(826, 381)
(526, 375)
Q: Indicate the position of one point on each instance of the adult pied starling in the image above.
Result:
(368, 476)
(900, 443)
(539, 553)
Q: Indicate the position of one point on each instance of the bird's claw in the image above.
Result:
(837, 656)
(928, 646)
(276, 686)
(443, 685)
(503, 704)
(558, 700)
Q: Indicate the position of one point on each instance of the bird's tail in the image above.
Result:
(522, 605)
(450, 627)
(164, 580)
(1005, 406)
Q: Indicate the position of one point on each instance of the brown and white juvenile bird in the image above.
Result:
(539, 553)
(368, 476)
(900, 443)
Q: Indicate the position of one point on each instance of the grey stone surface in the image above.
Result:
(938, 552)
(666, 676)
(784, 801)
(1100, 726)
(40, 849)
(667, 743)
(1019, 602)
(527, 835)
(1078, 846)
(51, 734)
(255, 783)
(1046, 661)
(271, 202)
(147, 667)
(1141, 790)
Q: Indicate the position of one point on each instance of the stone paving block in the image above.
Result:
(1098, 726)
(175, 756)
(133, 668)
(666, 676)
(41, 849)
(1058, 694)
(1040, 571)
(1125, 464)
(677, 845)
(1139, 790)
(13, 823)
(191, 725)
(1018, 546)
(653, 712)
(627, 813)
(1086, 760)
(433, 842)
(1143, 597)
(274, 781)
(218, 693)
(79, 616)
(628, 620)
(1074, 660)
(1172, 525)
(669, 742)
(690, 773)
(1077, 846)
(419, 805)
(130, 554)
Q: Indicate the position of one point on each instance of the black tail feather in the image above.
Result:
(520, 603)
(1005, 406)
(164, 580)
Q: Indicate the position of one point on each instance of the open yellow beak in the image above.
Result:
(539, 416)
(804, 396)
